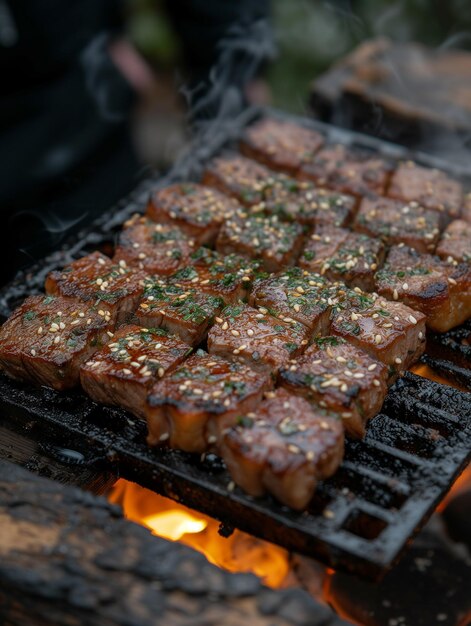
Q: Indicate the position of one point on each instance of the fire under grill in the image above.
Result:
(361, 519)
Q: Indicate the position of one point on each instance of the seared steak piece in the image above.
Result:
(277, 244)
(276, 194)
(191, 407)
(251, 336)
(296, 294)
(441, 290)
(123, 372)
(431, 188)
(196, 209)
(95, 279)
(239, 177)
(455, 243)
(284, 448)
(340, 377)
(47, 339)
(395, 222)
(281, 145)
(179, 309)
(228, 277)
(155, 248)
(351, 171)
(390, 332)
(302, 202)
(466, 211)
(339, 254)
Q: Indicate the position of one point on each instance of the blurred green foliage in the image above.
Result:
(313, 34)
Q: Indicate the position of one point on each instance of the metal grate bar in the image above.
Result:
(359, 521)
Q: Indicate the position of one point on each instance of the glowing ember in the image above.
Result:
(174, 524)
(427, 372)
(238, 553)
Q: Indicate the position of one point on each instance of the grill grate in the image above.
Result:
(360, 520)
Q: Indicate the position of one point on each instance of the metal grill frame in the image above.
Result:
(360, 520)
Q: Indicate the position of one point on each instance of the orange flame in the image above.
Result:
(238, 553)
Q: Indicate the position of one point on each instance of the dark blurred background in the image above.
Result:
(95, 91)
(311, 35)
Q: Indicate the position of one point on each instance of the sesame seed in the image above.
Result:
(376, 382)
(164, 437)
(126, 371)
(378, 339)
(398, 360)
(405, 286)
(452, 281)
(231, 486)
(395, 295)
(310, 455)
(212, 439)
(160, 372)
(412, 319)
(235, 333)
(372, 367)
(33, 352)
(219, 320)
(40, 330)
(225, 326)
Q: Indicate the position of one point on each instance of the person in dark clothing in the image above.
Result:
(65, 149)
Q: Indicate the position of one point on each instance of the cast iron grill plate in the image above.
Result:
(360, 520)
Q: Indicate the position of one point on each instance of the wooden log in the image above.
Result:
(68, 557)
(423, 110)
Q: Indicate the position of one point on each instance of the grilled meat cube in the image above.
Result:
(190, 408)
(347, 170)
(96, 279)
(276, 194)
(239, 177)
(339, 254)
(281, 145)
(284, 448)
(340, 377)
(466, 210)
(395, 222)
(277, 244)
(295, 294)
(302, 202)
(197, 210)
(47, 339)
(179, 309)
(441, 290)
(123, 372)
(155, 248)
(390, 332)
(262, 341)
(431, 188)
(228, 277)
(455, 243)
